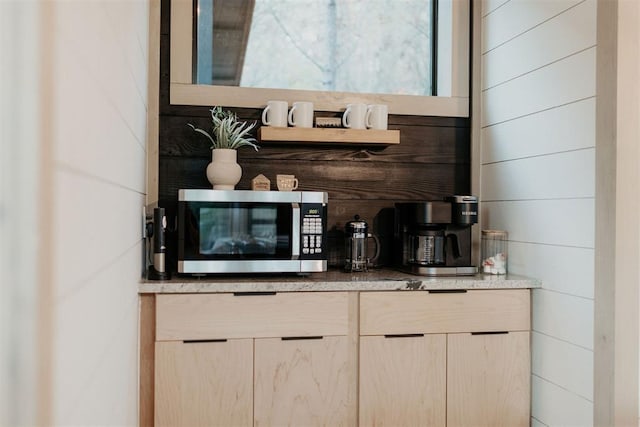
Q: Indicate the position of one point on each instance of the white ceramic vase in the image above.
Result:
(224, 172)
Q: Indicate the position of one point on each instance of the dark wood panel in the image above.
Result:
(163, 96)
(177, 173)
(379, 214)
(342, 180)
(418, 144)
(165, 16)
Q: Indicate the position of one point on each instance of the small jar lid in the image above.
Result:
(494, 234)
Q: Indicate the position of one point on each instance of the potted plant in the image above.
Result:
(227, 135)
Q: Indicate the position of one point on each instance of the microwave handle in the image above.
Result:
(295, 231)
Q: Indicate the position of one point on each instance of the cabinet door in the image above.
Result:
(403, 380)
(488, 379)
(204, 383)
(301, 382)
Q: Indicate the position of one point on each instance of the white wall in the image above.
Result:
(19, 164)
(538, 182)
(98, 77)
(617, 204)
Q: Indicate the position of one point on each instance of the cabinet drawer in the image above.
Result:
(220, 316)
(384, 313)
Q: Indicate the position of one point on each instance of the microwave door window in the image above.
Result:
(242, 232)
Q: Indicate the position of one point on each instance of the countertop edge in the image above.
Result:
(387, 280)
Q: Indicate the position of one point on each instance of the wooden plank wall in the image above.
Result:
(538, 182)
(431, 162)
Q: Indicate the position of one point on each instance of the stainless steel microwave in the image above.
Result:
(239, 231)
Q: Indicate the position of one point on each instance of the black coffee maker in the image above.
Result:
(433, 238)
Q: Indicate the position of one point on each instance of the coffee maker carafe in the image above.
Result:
(433, 238)
(429, 245)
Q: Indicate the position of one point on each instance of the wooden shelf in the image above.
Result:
(329, 135)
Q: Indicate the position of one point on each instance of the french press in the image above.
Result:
(356, 250)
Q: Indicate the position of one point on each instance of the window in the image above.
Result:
(331, 52)
(328, 45)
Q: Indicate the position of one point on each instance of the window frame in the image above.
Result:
(453, 86)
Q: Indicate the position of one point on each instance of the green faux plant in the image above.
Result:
(227, 131)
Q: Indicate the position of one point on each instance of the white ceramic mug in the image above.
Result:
(301, 114)
(354, 116)
(286, 182)
(275, 114)
(377, 116)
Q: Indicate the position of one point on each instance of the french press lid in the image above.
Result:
(357, 225)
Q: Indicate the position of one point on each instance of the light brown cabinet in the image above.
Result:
(301, 382)
(488, 379)
(190, 374)
(403, 380)
(252, 359)
(374, 358)
(466, 353)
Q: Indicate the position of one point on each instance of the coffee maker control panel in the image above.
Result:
(464, 209)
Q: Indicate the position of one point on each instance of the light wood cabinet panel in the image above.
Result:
(204, 384)
(405, 312)
(403, 381)
(301, 382)
(211, 316)
(488, 380)
(322, 359)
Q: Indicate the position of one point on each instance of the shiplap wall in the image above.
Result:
(538, 183)
(99, 80)
(20, 153)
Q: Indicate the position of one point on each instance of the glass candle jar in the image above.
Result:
(494, 251)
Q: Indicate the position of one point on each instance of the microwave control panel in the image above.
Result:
(312, 236)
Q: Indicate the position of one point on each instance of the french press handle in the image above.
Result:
(377, 254)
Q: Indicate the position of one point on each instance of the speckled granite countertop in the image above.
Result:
(333, 280)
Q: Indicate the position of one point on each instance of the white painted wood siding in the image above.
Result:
(99, 78)
(537, 144)
(21, 151)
